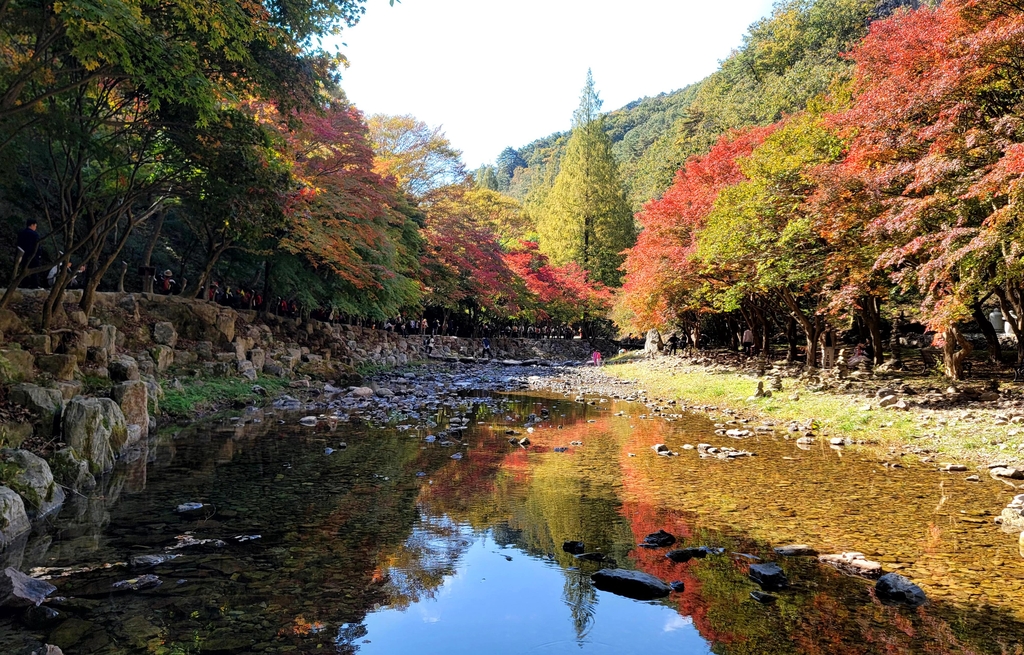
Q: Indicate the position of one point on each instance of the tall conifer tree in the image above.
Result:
(586, 218)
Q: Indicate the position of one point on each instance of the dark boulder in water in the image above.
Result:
(895, 589)
(769, 575)
(659, 539)
(631, 584)
(573, 547)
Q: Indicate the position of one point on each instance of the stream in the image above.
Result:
(413, 537)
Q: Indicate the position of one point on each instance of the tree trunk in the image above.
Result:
(1010, 304)
(812, 327)
(952, 359)
(995, 352)
(211, 261)
(812, 332)
(89, 292)
(56, 295)
(732, 327)
(147, 256)
(266, 286)
(791, 352)
(871, 312)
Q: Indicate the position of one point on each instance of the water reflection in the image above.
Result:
(389, 544)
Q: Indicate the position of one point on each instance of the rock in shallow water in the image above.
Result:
(796, 550)
(896, 589)
(631, 584)
(659, 539)
(573, 547)
(769, 575)
(20, 590)
(853, 564)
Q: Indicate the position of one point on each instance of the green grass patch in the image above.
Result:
(837, 415)
(201, 395)
(93, 385)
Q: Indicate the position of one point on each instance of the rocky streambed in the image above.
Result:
(467, 507)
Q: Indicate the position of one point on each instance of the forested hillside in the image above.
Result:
(784, 60)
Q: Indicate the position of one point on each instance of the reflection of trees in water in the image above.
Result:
(581, 597)
(417, 568)
(536, 499)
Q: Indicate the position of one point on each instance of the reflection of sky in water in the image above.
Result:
(495, 606)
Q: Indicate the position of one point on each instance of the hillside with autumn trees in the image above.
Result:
(896, 190)
(852, 163)
(216, 143)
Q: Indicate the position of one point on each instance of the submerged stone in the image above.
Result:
(20, 590)
(896, 589)
(573, 547)
(631, 584)
(769, 575)
(659, 539)
(796, 550)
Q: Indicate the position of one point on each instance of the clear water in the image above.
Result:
(390, 545)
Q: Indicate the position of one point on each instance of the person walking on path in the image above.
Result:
(673, 344)
(596, 358)
(32, 257)
(487, 348)
(748, 341)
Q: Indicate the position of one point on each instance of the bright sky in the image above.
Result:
(498, 74)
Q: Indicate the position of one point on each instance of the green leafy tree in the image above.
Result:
(585, 218)
(507, 163)
(485, 178)
(760, 240)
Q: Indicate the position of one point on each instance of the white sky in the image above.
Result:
(498, 74)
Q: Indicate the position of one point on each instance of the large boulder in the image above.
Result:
(44, 404)
(13, 517)
(165, 334)
(896, 589)
(104, 337)
(91, 426)
(133, 399)
(631, 584)
(32, 479)
(853, 563)
(10, 323)
(40, 344)
(16, 365)
(123, 368)
(156, 394)
(71, 471)
(60, 367)
(194, 320)
(20, 590)
(204, 350)
(130, 304)
(258, 358)
(659, 539)
(769, 575)
(185, 357)
(163, 356)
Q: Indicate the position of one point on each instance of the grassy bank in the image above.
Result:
(956, 432)
(202, 395)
